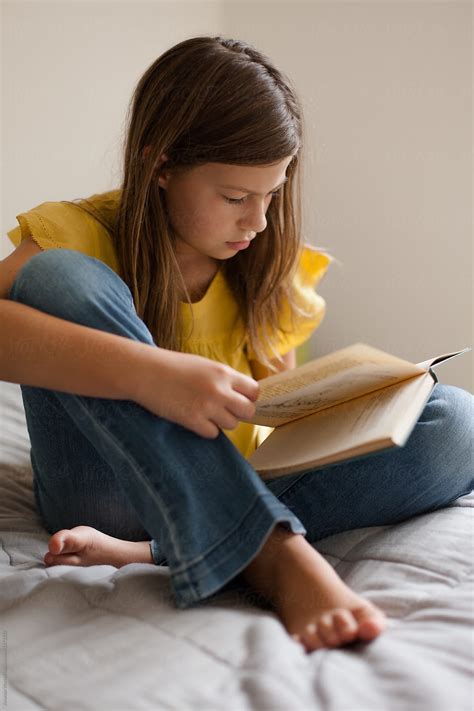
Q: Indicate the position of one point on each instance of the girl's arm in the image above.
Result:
(44, 351)
(259, 371)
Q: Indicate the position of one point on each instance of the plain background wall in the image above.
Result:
(386, 89)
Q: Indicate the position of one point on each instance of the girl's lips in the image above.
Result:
(238, 245)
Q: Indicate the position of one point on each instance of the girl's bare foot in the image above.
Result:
(315, 605)
(84, 545)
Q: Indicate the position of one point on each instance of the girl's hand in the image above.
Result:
(195, 392)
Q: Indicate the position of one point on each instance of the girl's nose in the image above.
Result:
(254, 220)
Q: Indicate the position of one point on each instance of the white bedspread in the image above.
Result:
(105, 638)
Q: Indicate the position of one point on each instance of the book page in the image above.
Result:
(434, 362)
(378, 420)
(325, 382)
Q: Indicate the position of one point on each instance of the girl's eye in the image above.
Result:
(235, 201)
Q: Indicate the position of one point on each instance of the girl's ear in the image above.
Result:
(163, 178)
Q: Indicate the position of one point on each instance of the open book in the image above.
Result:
(350, 403)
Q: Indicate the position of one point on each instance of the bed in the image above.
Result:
(104, 638)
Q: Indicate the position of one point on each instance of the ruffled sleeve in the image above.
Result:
(312, 267)
(68, 225)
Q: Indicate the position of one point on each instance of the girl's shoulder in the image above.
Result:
(297, 327)
(312, 265)
(84, 224)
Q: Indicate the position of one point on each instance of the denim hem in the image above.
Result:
(228, 559)
(156, 554)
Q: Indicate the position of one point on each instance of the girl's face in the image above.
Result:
(216, 204)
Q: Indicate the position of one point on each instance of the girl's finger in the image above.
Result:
(240, 407)
(247, 386)
(206, 428)
(227, 420)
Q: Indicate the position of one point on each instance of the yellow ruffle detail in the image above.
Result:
(65, 225)
(311, 268)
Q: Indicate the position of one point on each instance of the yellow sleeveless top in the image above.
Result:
(85, 226)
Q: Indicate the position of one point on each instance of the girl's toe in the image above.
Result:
(371, 621)
(327, 630)
(346, 625)
(311, 638)
(57, 542)
(51, 560)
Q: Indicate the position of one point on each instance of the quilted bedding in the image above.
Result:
(105, 638)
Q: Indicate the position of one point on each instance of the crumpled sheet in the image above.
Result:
(99, 637)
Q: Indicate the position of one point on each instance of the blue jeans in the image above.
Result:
(116, 466)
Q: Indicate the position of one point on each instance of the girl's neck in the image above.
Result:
(198, 269)
(198, 277)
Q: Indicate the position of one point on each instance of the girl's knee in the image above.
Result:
(452, 409)
(453, 406)
(57, 281)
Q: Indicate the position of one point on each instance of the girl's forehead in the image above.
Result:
(239, 174)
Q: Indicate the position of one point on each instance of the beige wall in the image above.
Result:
(386, 89)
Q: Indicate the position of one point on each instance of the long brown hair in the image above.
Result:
(210, 99)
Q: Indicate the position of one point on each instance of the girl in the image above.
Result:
(151, 312)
